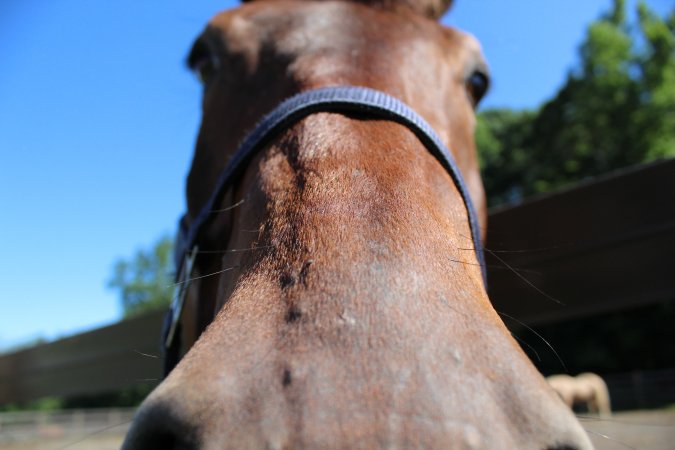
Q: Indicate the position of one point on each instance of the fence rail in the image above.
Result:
(642, 389)
(28, 425)
(115, 357)
(598, 247)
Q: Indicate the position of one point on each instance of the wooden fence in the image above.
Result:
(641, 389)
(118, 356)
(601, 246)
(26, 426)
(598, 247)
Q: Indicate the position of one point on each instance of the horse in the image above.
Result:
(586, 388)
(331, 289)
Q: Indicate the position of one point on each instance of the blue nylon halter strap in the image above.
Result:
(339, 99)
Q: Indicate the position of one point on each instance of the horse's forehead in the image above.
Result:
(429, 8)
(301, 27)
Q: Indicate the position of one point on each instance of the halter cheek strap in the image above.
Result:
(339, 99)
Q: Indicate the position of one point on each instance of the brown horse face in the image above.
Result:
(252, 58)
(346, 308)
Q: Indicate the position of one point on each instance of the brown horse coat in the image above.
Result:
(352, 313)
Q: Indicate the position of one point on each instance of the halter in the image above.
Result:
(339, 99)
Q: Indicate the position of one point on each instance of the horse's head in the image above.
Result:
(337, 272)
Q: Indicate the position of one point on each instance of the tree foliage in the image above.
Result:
(144, 281)
(616, 108)
(501, 137)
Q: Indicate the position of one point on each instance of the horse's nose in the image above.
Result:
(158, 426)
(554, 427)
(575, 439)
(166, 425)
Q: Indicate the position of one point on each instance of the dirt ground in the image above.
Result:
(639, 430)
(98, 442)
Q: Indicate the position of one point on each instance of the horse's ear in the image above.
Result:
(429, 8)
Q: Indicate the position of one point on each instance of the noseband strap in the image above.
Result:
(339, 99)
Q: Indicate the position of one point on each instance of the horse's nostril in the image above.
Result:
(157, 428)
(162, 440)
(169, 441)
(562, 447)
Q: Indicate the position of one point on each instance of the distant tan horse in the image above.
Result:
(587, 388)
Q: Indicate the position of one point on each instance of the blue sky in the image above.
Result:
(98, 117)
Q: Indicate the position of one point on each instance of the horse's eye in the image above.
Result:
(477, 85)
(203, 62)
(205, 70)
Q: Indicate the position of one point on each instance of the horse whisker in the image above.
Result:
(604, 436)
(234, 250)
(145, 354)
(229, 207)
(539, 336)
(521, 271)
(204, 276)
(527, 250)
(464, 262)
(623, 422)
(94, 433)
(529, 283)
(528, 346)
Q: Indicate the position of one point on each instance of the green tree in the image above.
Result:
(500, 137)
(616, 108)
(144, 282)
(657, 66)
